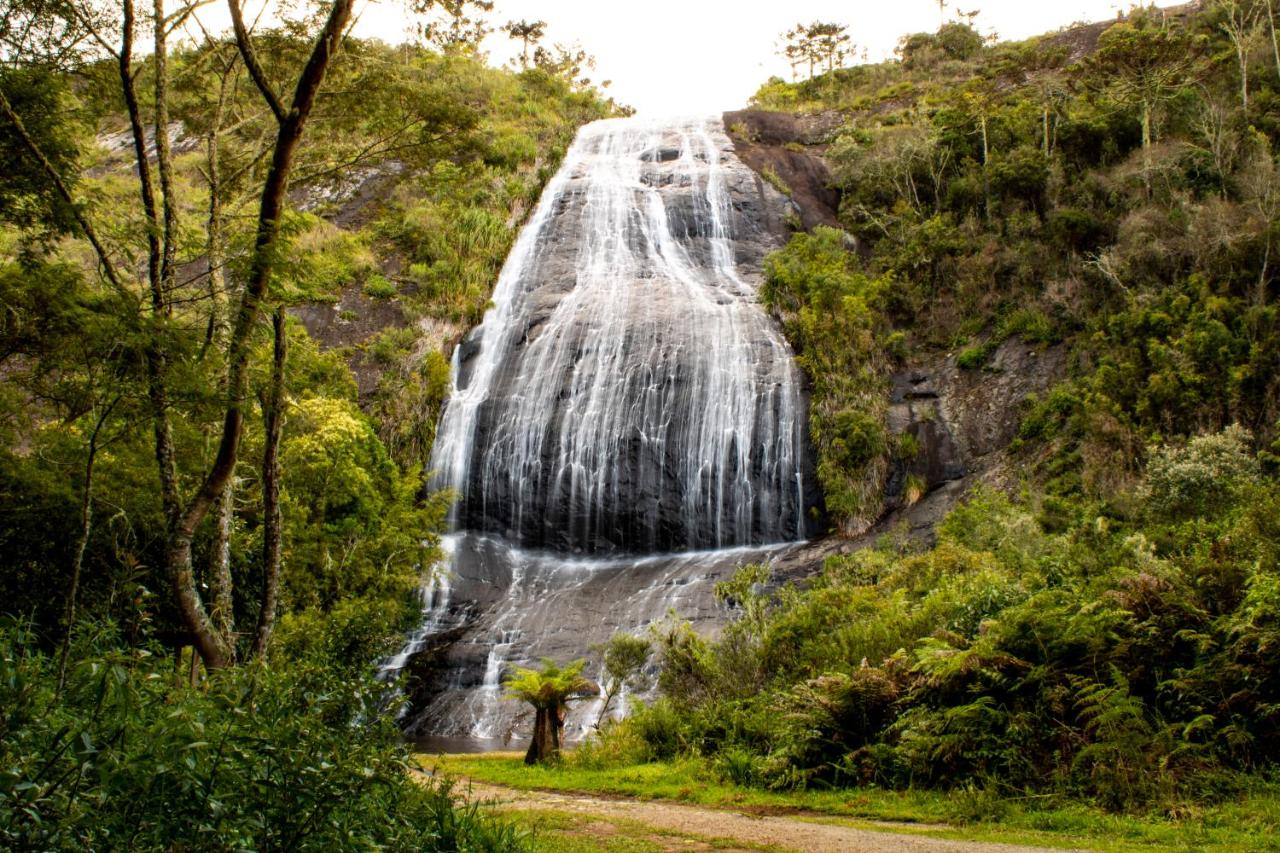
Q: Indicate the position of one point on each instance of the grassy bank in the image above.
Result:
(1250, 823)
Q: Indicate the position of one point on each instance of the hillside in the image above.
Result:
(993, 325)
(1032, 286)
(239, 287)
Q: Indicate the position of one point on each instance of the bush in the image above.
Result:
(377, 287)
(1204, 478)
(301, 757)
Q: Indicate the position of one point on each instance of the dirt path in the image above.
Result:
(770, 832)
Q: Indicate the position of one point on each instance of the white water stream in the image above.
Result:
(627, 424)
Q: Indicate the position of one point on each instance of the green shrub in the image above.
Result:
(973, 358)
(1203, 478)
(377, 287)
(304, 756)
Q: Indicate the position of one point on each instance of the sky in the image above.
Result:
(684, 57)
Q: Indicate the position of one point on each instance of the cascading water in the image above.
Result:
(627, 424)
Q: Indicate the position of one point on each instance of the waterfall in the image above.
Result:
(627, 424)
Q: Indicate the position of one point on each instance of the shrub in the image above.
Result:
(1203, 478)
(304, 756)
(377, 287)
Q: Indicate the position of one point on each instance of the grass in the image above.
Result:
(554, 831)
(1251, 823)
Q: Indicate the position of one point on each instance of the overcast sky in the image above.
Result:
(668, 57)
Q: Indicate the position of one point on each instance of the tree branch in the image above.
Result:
(251, 63)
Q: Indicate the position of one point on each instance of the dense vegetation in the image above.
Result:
(224, 697)
(181, 461)
(1107, 189)
(1110, 631)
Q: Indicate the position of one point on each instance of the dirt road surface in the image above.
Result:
(772, 832)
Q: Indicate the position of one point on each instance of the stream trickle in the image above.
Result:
(626, 426)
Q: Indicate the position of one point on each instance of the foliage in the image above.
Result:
(551, 685)
(822, 297)
(124, 757)
(26, 199)
(1097, 189)
(1105, 661)
(297, 750)
(623, 661)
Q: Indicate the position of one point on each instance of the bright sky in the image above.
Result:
(704, 56)
(672, 57)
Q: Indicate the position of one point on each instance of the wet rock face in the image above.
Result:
(628, 393)
(509, 607)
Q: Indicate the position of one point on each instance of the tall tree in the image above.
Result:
(1144, 64)
(1242, 23)
(454, 25)
(1271, 27)
(819, 45)
(528, 33)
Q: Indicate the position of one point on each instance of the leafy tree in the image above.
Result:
(1144, 64)
(528, 33)
(624, 659)
(818, 45)
(457, 26)
(34, 102)
(549, 690)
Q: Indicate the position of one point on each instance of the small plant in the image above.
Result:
(775, 180)
(974, 358)
(915, 489)
(908, 447)
(377, 287)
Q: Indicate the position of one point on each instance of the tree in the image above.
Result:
(1040, 68)
(793, 50)
(209, 626)
(566, 62)
(549, 690)
(1275, 42)
(624, 660)
(831, 44)
(818, 45)
(529, 33)
(1144, 65)
(1243, 26)
(454, 25)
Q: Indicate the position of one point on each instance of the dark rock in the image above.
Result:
(768, 140)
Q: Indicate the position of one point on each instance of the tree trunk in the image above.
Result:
(271, 524)
(221, 598)
(540, 745)
(217, 654)
(611, 692)
(986, 160)
(215, 243)
(82, 543)
(1146, 146)
(1275, 43)
(1045, 118)
(1261, 298)
(547, 723)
